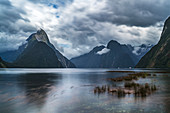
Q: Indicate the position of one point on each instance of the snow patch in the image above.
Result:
(103, 51)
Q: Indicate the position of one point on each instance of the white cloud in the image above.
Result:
(78, 26)
(7, 44)
(135, 50)
(103, 51)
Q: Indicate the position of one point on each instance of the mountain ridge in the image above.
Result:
(42, 36)
(159, 55)
(109, 56)
(37, 39)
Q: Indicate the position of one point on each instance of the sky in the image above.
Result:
(75, 27)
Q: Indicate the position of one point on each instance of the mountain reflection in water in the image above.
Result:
(71, 91)
(37, 86)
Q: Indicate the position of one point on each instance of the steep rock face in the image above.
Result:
(38, 55)
(40, 36)
(113, 56)
(64, 61)
(89, 60)
(159, 55)
(141, 50)
(118, 56)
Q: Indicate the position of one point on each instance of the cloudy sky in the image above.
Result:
(76, 26)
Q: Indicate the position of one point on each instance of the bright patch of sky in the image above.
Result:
(77, 26)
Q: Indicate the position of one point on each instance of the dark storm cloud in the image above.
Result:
(133, 13)
(13, 27)
(9, 15)
(129, 22)
(76, 26)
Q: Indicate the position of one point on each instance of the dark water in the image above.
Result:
(71, 91)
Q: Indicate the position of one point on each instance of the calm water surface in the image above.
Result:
(71, 91)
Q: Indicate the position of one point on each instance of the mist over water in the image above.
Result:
(71, 91)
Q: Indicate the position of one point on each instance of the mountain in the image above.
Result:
(159, 55)
(114, 55)
(42, 36)
(4, 64)
(38, 55)
(141, 50)
(11, 56)
(89, 60)
(26, 52)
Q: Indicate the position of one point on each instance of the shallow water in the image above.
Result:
(71, 91)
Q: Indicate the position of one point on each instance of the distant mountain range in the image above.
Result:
(114, 55)
(159, 55)
(37, 52)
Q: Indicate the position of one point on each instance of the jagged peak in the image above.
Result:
(41, 31)
(98, 48)
(112, 43)
(30, 37)
(40, 35)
